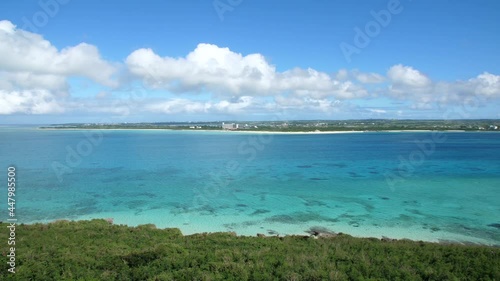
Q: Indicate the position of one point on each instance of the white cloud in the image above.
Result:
(26, 80)
(342, 75)
(26, 52)
(29, 102)
(209, 66)
(486, 84)
(407, 76)
(306, 104)
(362, 77)
(410, 84)
(34, 80)
(175, 106)
(245, 105)
(34, 74)
(226, 73)
(7, 27)
(237, 106)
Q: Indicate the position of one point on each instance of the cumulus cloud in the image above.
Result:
(34, 74)
(233, 107)
(226, 73)
(357, 75)
(26, 52)
(178, 105)
(486, 84)
(174, 106)
(30, 102)
(209, 66)
(407, 83)
(307, 104)
(34, 79)
(407, 76)
(26, 80)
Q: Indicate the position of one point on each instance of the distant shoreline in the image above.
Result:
(265, 132)
(294, 127)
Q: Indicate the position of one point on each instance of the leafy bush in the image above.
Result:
(97, 250)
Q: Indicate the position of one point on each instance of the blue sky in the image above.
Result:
(133, 61)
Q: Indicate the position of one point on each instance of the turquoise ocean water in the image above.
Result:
(421, 185)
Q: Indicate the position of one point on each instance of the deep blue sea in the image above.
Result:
(419, 185)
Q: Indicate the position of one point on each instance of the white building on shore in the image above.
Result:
(232, 126)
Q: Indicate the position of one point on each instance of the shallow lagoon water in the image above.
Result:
(365, 184)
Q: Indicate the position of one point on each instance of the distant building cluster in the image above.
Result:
(232, 126)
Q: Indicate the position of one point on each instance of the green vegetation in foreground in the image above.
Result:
(97, 250)
(305, 126)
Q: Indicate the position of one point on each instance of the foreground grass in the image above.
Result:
(96, 250)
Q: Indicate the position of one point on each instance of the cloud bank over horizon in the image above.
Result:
(37, 78)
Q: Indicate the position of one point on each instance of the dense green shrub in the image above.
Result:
(97, 250)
